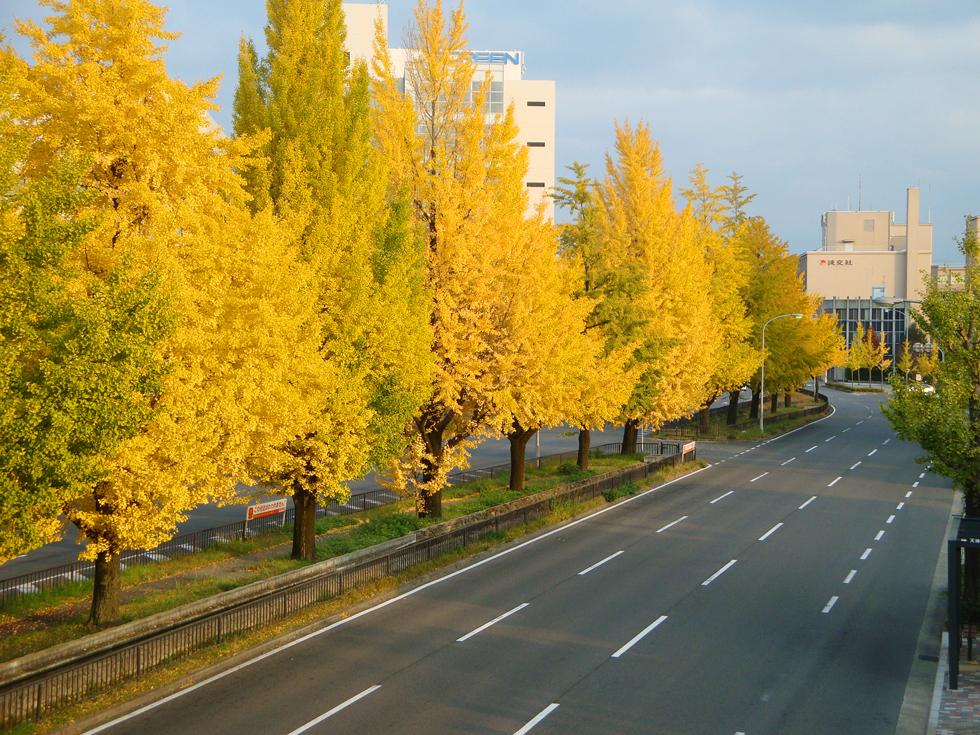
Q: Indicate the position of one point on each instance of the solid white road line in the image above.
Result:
(810, 449)
(759, 477)
(849, 577)
(808, 502)
(787, 462)
(600, 563)
(391, 601)
(908, 494)
(915, 484)
(880, 534)
(770, 532)
(493, 622)
(717, 574)
(856, 465)
(672, 523)
(873, 451)
(890, 519)
(900, 505)
(866, 554)
(639, 636)
(835, 482)
(335, 710)
(721, 497)
(831, 438)
(540, 716)
(830, 604)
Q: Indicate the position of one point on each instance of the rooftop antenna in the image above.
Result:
(859, 192)
(929, 200)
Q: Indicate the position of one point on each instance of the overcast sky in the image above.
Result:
(801, 98)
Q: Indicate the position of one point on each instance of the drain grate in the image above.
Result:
(927, 657)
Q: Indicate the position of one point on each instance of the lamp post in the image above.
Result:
(762, 380)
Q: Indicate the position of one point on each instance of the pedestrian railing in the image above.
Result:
(190, 543)
(35, 696)
(694, 428)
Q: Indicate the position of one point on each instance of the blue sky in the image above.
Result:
(801, 98)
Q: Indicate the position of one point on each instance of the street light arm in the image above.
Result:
(762, 376)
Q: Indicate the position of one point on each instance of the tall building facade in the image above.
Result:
(533, 100)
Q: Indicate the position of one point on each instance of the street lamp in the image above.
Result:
(762, 381)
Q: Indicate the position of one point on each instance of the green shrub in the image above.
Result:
(621, 491)
(568, 468)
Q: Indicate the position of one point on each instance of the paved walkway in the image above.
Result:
(959, 711)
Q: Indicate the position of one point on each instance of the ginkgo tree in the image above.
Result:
(357, 247)
(163, 187)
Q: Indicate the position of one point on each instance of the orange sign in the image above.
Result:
(266, 509)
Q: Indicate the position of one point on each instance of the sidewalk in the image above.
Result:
(959, 711)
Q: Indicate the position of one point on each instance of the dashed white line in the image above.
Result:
(873, 451)
(915, 484)
(855, 465)
(922, 475)
(721, 497)
(830, 604)
(770, 532)
(492, 622)
(846, 430)
(540, 716)
(900, 505)
(600, 563)
(787, 462)
(810, 449)
(890, 519)
(717, 574)
(759, 477)
(866, 554)
(859, 422)
(808, 502)
(639, 636)
(849, 577)
(835, 482)
(880, 534)
(830, 438)
(908, 494)
(335, 710)
(885, 442)
(672, 523)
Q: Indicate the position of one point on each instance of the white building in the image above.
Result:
(534, 101)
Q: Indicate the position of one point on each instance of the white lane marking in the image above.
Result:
(908, 494)
(717, 574)
(398, 598)
(855, 465)
(808, 502)
(859, 422)
(890, 519)
(639, 636)
(540, 716)
(849, 577)
(885, 442)
(880, 534)
(873, 451)
(831, 438)
(866, 554)
(759, 477)
(770, 532)
(835, 482)
(721, 497)
(830, 604)
(900, 505)
(922, 475)
(672, 523)
(600, 563)
(845, 431)
(915, 484)
(810, 449)
(335, 710)
(787, 462)
(492, 622)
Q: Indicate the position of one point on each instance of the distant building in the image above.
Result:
(534, 101)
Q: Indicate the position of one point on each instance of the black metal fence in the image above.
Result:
(33, 697)
(190, 543)
(693, 428)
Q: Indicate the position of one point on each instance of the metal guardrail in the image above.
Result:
(190, 543)
(34, 697)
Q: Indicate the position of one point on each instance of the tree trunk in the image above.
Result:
(788, 403)
(630, 431)
(756, 404)
(816, 387)
(584, 447)
(705, 418)
(733, 397)
(518, 439)
(304, 525)
(429, 505)
(108, 583)
(774, 400)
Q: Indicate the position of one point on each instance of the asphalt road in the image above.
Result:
(779, 591)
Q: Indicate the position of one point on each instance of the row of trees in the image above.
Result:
(353, 281)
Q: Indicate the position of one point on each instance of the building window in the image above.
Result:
(535, 184)
(494, 100)
(534, 144)
(869, 225)
(535, 104)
